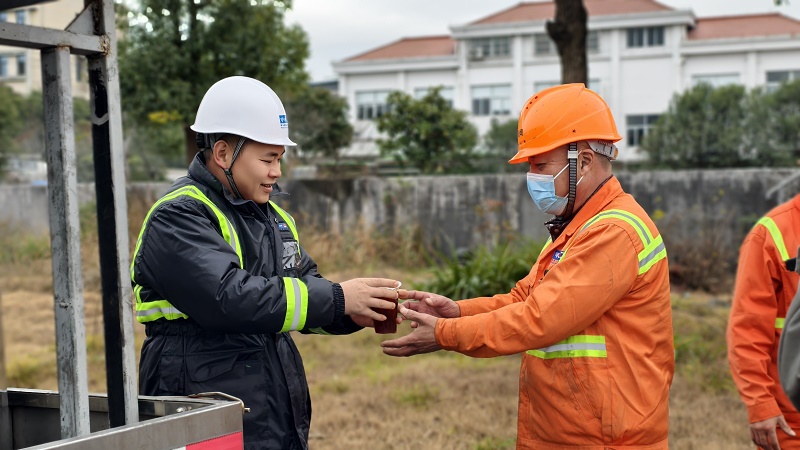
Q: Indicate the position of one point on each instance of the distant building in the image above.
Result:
(21, 68)
(640, 53)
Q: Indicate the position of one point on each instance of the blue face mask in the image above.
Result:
(543, 192)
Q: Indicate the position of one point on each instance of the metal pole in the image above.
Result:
(112, 222)
(65, 242)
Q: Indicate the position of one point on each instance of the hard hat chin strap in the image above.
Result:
(228, 173)
(558, 223)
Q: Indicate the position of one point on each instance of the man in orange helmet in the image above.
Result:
(765, 287)
(592, 318)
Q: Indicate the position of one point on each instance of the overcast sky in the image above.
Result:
(338, 29)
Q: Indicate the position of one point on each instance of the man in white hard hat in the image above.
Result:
(220, 277)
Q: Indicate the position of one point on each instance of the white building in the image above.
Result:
(640, 53)
(21, 68)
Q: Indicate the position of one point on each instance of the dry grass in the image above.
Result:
(363, 399)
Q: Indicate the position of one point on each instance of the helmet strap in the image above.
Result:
(228, 173)
(572, 157)
(557, 224)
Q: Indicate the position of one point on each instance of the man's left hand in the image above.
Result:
(421, 340)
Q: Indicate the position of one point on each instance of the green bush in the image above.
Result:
(485, 271)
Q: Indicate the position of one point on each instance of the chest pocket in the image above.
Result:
(291, 242)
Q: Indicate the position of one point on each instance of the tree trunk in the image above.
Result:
(568, 31)
(190, 144)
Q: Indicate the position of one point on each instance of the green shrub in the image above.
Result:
(484, 271)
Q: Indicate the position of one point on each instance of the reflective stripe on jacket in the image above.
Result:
(593, 320)
(764, 290)
(218, 283)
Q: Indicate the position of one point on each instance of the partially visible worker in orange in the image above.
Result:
(592, 319)
(764, 290)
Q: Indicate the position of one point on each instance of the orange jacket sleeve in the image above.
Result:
(599, 269)
(487, 304)
(751, 328)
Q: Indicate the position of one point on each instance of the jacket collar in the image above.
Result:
(596, 203)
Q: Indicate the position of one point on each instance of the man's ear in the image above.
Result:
(221, 153)
(585, 161)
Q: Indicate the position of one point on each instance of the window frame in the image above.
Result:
(371, 110)
(636, 132)
(495, 104)
(645, 37)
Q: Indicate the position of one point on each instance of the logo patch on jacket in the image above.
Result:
(557, 256)
(283, 226)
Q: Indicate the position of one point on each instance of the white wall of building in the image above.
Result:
(634, 81)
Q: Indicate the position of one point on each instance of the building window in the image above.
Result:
(3, 17)
(446, 93)
(716, 80)
(20, 16)
(544, 46)
(491, 100)
(645, 37)
(371, 104)
(638, 127)
(593, 41)
(776, 78)
(21, 65)
(490, 47)
(3, 66)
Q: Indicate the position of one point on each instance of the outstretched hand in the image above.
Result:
(428, 303)
(421, 340)
(361, 295)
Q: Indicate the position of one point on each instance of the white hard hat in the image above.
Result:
(245, 107)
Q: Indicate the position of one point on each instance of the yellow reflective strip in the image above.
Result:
(303, 305)
(779, 322)
(581, 345)
(777, 237)
(291, 301)
(568, 354)
(137, 292)
(157, 309)
(615, 214)
(228, 231)
(651, 255)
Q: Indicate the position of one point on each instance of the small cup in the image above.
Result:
(388, 326)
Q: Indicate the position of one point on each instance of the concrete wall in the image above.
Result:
(462, 211)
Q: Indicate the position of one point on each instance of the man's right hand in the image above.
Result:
(764, 435)
(363, 294)
(429, 303)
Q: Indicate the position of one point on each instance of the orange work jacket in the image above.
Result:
(594, 324)
(764, 290)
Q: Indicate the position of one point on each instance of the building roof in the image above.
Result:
(411, 47)
(526, 12)
(744, 26)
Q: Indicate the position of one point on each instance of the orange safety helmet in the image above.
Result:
(560, 115)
